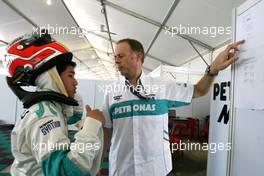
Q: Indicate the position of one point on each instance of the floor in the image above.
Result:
(190, 162)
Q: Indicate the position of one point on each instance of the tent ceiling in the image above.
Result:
(128, 19)
(11, 24)
(156, 10)
(205, 13)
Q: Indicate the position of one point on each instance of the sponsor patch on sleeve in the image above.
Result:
(48, 126)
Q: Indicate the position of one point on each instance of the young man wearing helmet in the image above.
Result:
(40, 142)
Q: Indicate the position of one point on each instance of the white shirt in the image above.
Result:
(140, 141)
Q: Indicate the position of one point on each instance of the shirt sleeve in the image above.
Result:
(178, 94)
(52, 148)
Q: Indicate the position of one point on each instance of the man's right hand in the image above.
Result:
(95, 114)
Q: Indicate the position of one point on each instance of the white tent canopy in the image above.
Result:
(81, 25)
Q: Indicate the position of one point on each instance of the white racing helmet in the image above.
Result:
(29, 56)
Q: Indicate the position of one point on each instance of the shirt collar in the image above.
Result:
(141, 78)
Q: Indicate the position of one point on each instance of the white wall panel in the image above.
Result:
(7, 103)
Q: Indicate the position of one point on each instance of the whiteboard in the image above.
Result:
(249, 67)
(247, 126)
(248, 141)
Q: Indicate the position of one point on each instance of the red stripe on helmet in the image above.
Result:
(20, 63)
(31, 50)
